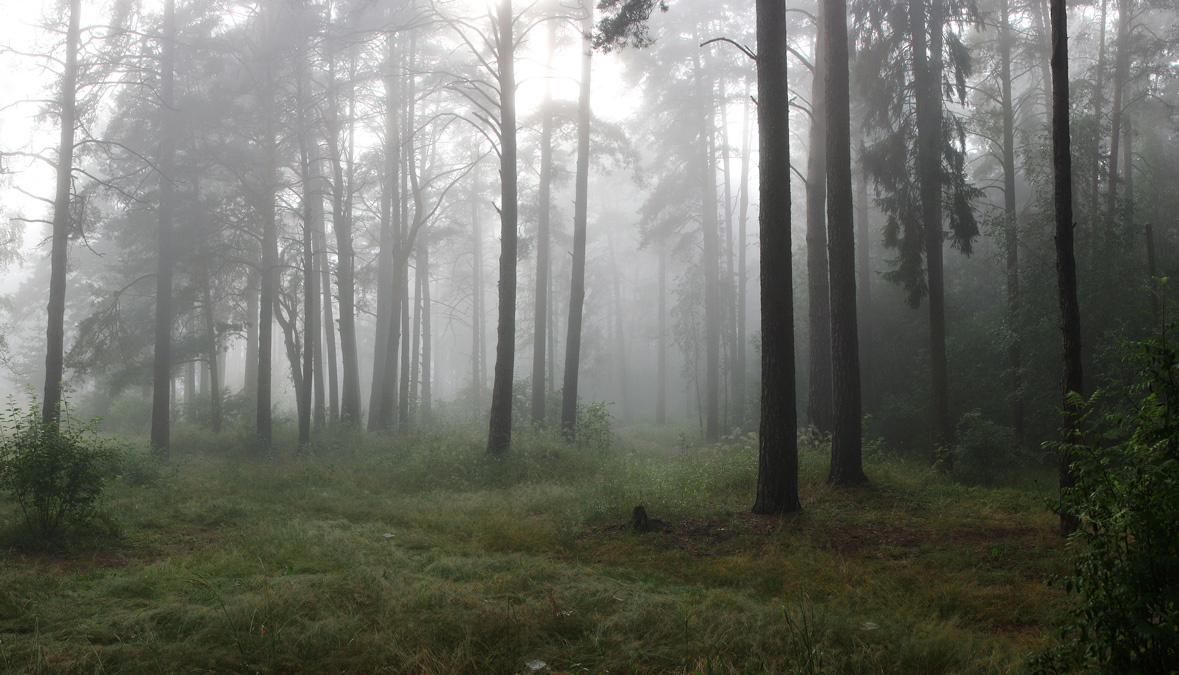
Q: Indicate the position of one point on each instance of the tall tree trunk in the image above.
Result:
(162, 358)
(499, 433)
(1098, 103)
(868, 387)
(819, 401)
(1066, 269)
(710, 260)
(541, 305)
(478, 355)
(580, 214)
(1039, 8)
(427, 411)
(390, 224)
(319, 406)
(619, 334)
(777, 466)
(250, 376)
(415, 361)
(846, 457)
(1011, 230)
(269, 267)
(928, 71)
(55, 330)
(310, 293)
(329, 328)
(211, 351)
(661, 368)
(739, 393)
(190, 375)
(1121, 75)
(342, 172)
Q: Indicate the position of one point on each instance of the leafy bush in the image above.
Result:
(983, 450)
(54, 471)
(1126, 501)
(595, 426)
(129, 415)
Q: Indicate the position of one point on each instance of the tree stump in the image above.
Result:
(639, 521)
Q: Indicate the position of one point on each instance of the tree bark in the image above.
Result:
(329, 330)
(777, 474)
(1066, 271)
(427, 411)
(55, 330)
(710, 261)
(819, 395)
(162, 355)
(499, 434)
(846, 456)
(269, 266)
(580, 216)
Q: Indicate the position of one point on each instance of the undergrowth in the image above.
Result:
(422, 555)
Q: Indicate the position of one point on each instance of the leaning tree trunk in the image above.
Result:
(162, 358)
(777, 466)
(846, 456)
(819, 402)
(499, 433)
(1066, 268)
(55, 330)
(581, 195)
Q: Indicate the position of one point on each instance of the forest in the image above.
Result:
(589, 336)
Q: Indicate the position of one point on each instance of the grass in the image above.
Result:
(422, 555)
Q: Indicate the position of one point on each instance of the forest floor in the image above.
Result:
(424, 556)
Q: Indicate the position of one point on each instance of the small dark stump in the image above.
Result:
(640, 523)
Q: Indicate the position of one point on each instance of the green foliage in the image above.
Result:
(984, 451)
(595, 426)
(129, 415)
(1126, 500)
(54, 471)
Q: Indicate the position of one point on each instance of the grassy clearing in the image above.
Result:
(424, 556)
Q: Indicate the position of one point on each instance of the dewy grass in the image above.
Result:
(425, 556)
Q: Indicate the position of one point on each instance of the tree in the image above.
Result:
(541, 304)
(580, 216)
(1066, 266)
(67, 116)
(162, 370)
(819, 395)
(777, 475)
(846, 463)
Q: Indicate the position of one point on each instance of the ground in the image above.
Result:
(422, 555)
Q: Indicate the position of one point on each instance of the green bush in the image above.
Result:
(1126, 502)
(984, 451)
(54, 471)
(595, 426)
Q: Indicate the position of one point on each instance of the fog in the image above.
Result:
(443, 336)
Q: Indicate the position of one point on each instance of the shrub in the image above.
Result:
(983, 450)
(1126, 501)
(54, 471)
(595, 426)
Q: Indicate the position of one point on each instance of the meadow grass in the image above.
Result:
(423, 555)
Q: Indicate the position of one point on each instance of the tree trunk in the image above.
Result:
(390, 224)
(580, 214)
(1066, 270)
(1098, 103)
(541, 305)
(329, 330)
(777, 467)
(928, 73)
(478, 355)
(310, 297)
(161, 417)
(846, 457)
(661, 384)
(864, 299)
(1121, 75)
(250, 376)
(739, 394)
(710, 260)
(55, 330)
(211, 352)
(427, 351)
(819, 401)
(269, 267)
(1011, 230)
(342, 172)
(619, 332)
(499, 433)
